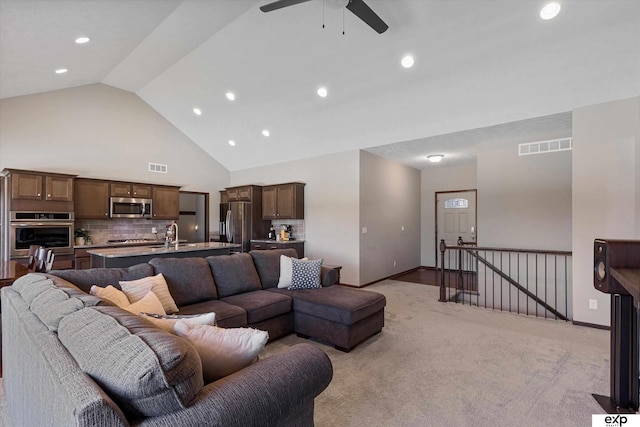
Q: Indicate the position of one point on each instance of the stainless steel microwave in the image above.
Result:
(126, 207)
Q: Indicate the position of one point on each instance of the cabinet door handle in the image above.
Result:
(273, 247)
(39, 194)
(106, 214)
(48, 195)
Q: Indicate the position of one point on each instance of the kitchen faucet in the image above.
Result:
(172, 235)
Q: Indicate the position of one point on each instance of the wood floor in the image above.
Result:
(431, 276)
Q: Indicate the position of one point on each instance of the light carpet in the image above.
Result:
(437, 364)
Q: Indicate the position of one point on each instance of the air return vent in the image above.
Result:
(157, 167)
(541, 147)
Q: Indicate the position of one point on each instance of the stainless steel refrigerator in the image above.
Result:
(240, 222)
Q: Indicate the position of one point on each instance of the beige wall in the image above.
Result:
(97, 131)
(606, 192)
(331, 205)
(436, 180)
(389, 202)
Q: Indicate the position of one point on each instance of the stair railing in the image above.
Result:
(524, 281)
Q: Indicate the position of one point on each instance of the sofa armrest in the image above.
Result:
(329, 275)
(271, 392)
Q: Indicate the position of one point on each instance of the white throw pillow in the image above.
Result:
(136, 289)
(110, 293)
(168, 321)
(286, 270)
(148, 304)
(222, 351)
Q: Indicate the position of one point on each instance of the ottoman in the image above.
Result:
(339, 315)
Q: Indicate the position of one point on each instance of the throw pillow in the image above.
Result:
(135, 290)
(148, 304)
(285, 271)
(222, 351)
(305, 274)
(168, 321)
(110, 293)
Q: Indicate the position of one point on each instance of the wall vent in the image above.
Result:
(541, 147)
(157, 167)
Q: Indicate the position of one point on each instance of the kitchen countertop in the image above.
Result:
(131, 251)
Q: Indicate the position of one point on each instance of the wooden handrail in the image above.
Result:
(530, 251)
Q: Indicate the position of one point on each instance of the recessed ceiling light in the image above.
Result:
(232, 142)
(322, 92)
(550, 10)
(435, 158)
(61, 70)
(231, 96)
(197, 111)
(266, 132)
(407, 61)
(82, 40)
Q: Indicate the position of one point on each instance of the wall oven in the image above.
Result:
(49, 229)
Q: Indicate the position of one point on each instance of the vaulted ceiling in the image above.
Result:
(481, 68)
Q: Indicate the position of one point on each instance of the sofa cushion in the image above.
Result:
(74, 292)
(135, 290)
(234, 274)
(260, 305)
(338, 303)
(52, 305)
(267, 264)
(227, 315)
(84, 279)
(305, 274)
(146, 370)
(223, 351)
(167, 321)
(189, 279)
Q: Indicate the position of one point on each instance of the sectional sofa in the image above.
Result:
(71, 358)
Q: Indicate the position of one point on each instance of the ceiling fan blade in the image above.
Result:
(280, 4)
(364, 12)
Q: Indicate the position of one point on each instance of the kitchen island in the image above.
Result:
(128, 256)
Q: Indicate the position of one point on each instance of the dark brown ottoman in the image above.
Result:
(339, 315)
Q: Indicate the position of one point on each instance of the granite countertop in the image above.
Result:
(131, 251)
(276, 241)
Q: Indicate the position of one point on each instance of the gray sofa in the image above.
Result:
(70, 358)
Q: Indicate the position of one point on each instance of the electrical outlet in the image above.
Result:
(394, 263)
(364, 230)
(402, 228)
(593, 304)
(154, 230)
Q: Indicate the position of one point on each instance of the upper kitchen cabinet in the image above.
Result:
(166, 202)
(125, 189)
(283, 201)
(40, 191)
(246, 193)
(91, 199)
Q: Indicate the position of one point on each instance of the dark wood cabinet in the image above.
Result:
(125, 189)
(40, 191)
(166, 202)
(271, 245)
(283, 201)
(91, 199)
(245, 193)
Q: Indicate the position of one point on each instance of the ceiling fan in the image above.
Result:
(357, 7)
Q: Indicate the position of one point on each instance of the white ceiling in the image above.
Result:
(485, 69)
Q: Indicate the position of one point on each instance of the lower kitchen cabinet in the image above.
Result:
(271, 244)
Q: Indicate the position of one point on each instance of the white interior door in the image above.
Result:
(456, 215)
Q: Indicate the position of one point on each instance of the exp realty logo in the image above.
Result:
(615, 420)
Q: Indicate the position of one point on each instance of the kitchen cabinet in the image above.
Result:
(274, 244)
(246, 193)
(224, 197)
(40, 191)
(91, 199)
(82, 259)
(166, 202)
(125, 189)
(283, 201)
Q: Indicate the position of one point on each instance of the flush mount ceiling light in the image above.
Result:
(197, 111)
(550, 10)
(322, 92)
(407, 61)
(266, 132)
(61, 70)
(435, 158)
(230, 96)
(232, 143)
(82, 40)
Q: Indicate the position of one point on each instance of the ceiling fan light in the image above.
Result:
(61, 70)
(407, 61)
(232, 143)
(266, 132)
(230, 96)
(322, 92)
(197, 111)
(435, 158)
(550, 10)
(82, 40)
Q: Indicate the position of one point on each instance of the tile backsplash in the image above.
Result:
(102, 230)
(297, 227)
